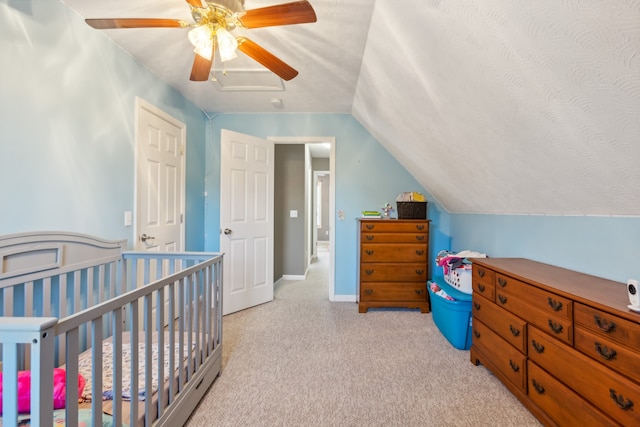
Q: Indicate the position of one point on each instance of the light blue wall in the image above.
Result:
(67, 126)
(366, 177)
(608, 247)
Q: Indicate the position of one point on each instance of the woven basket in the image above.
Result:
(412, 210)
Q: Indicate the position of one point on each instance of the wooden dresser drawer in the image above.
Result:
(544, 301)
(506, 358)
(393, 252)
(555, 398)
(607, 325)
(613, 393)
(608, 352)
(394, 291)
(509, 326)
(559, 327)
(394, 227)
(393, 272)
(483, 282)
(395, 238)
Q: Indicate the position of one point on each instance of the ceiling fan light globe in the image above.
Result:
(202, 41)
(227, 45)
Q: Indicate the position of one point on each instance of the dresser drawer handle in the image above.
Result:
(481, 287)
(419, 252)
(556, 328)
(368, 291)
(514, 366)
(476, 305)
(502, 282)
(419, 272)
(369, 226)
(419, 291)
(369, 272)
(605, 353)
(476, 333)
(539, 348)
(369, 252)
(480, 272)
(420, 227)
(620, 401)
(502, 299)
(555, 305)
(537, 386)
(369, 237)
(514, 331)
(421, 238)
(604, 324)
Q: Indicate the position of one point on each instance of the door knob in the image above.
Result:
(144, 237)
(227, 231)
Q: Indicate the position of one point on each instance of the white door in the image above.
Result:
(160, 144)
(246, 220)
(159, 180)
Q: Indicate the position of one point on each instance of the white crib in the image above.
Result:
(143, 328)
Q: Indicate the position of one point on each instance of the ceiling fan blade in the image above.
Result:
(201, 67)
(197, 3)
(266, 58)
(299, 12)
(107, 24)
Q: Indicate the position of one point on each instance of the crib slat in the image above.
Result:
(172, 340)
(8, 302)
(208, 304)
(96, 371)
(135, 339)
(188, 318)
(181, 330)
(196, 318)
(160, 365)
(116, 316)
(148, 364)
(46, 296)
(101, 282)
(73, 343)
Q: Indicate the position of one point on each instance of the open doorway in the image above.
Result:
(321, 151)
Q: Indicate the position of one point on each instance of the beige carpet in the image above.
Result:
(304, 361)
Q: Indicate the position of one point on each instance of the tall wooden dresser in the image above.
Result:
(393, 258)
(563, 342)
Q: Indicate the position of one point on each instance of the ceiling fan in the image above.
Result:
(213, 23)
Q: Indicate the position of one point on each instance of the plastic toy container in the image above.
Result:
(452, 317)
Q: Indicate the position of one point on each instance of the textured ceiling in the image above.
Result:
(327, 53)
(499, 106)
(526, 107)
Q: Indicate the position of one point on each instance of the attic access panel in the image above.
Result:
(247, 81)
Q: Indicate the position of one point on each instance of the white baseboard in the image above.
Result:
(293, 277)
(344, 298)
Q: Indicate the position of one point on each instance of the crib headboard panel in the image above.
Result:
(27, 257)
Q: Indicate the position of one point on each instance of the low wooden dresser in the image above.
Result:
(563, 342)
(393, 258)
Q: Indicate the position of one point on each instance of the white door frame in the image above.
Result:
(332, 195)
(141, 104)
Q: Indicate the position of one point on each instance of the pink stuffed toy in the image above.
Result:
(59, 389)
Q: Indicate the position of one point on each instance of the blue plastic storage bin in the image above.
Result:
(453, 318)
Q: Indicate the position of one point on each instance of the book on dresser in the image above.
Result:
(564, 343)
(393, 263)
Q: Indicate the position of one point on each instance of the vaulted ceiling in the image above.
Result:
(497, 106)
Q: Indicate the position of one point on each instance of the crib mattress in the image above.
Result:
(85, 365)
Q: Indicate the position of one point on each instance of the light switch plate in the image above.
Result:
(293, 214)
(128, 218)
